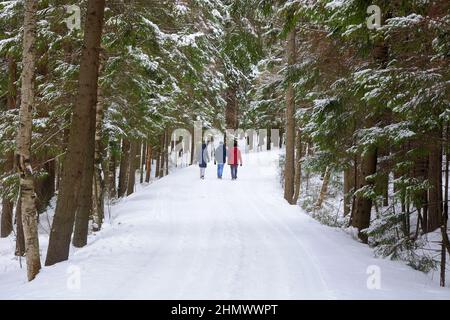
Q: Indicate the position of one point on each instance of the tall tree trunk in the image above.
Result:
(386, 189)
(162, 154)
(231, 109)
(143, 162)
(298, 166)
(23, 142)
(84, 207)
(133, 167)
(363, 205)
(348, 186)
(98, 183)
(58, 173)
(193, 146)
(269, 139)
(112, 166)
(158, 163)
(384, 170)
(124, 168)
(435, 180)
(324, 189)
(166, 150)
(289, 170)
(98, 205)
(6, 227)
(148, 164)
(355, 173)
(20, 238)
(91, 195)
(280, 142)
(80, 136)
(444, 224)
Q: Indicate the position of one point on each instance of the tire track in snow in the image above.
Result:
(257, 201)
(209, 279)
(317, 270)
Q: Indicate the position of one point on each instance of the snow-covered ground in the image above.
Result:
(183, 238)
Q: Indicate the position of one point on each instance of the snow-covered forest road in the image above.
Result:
(183, 238)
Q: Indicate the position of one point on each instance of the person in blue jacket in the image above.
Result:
(220, 158)
(203, 159)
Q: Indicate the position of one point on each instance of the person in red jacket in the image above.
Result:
(234, 159)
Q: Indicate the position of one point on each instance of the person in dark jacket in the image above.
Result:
(234, 159)
(220, 158)
(203, 159)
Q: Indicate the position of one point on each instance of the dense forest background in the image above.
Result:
(363, 110)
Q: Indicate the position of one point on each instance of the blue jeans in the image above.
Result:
(234, 169)
(220, 170)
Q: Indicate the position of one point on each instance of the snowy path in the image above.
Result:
(182, 238)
